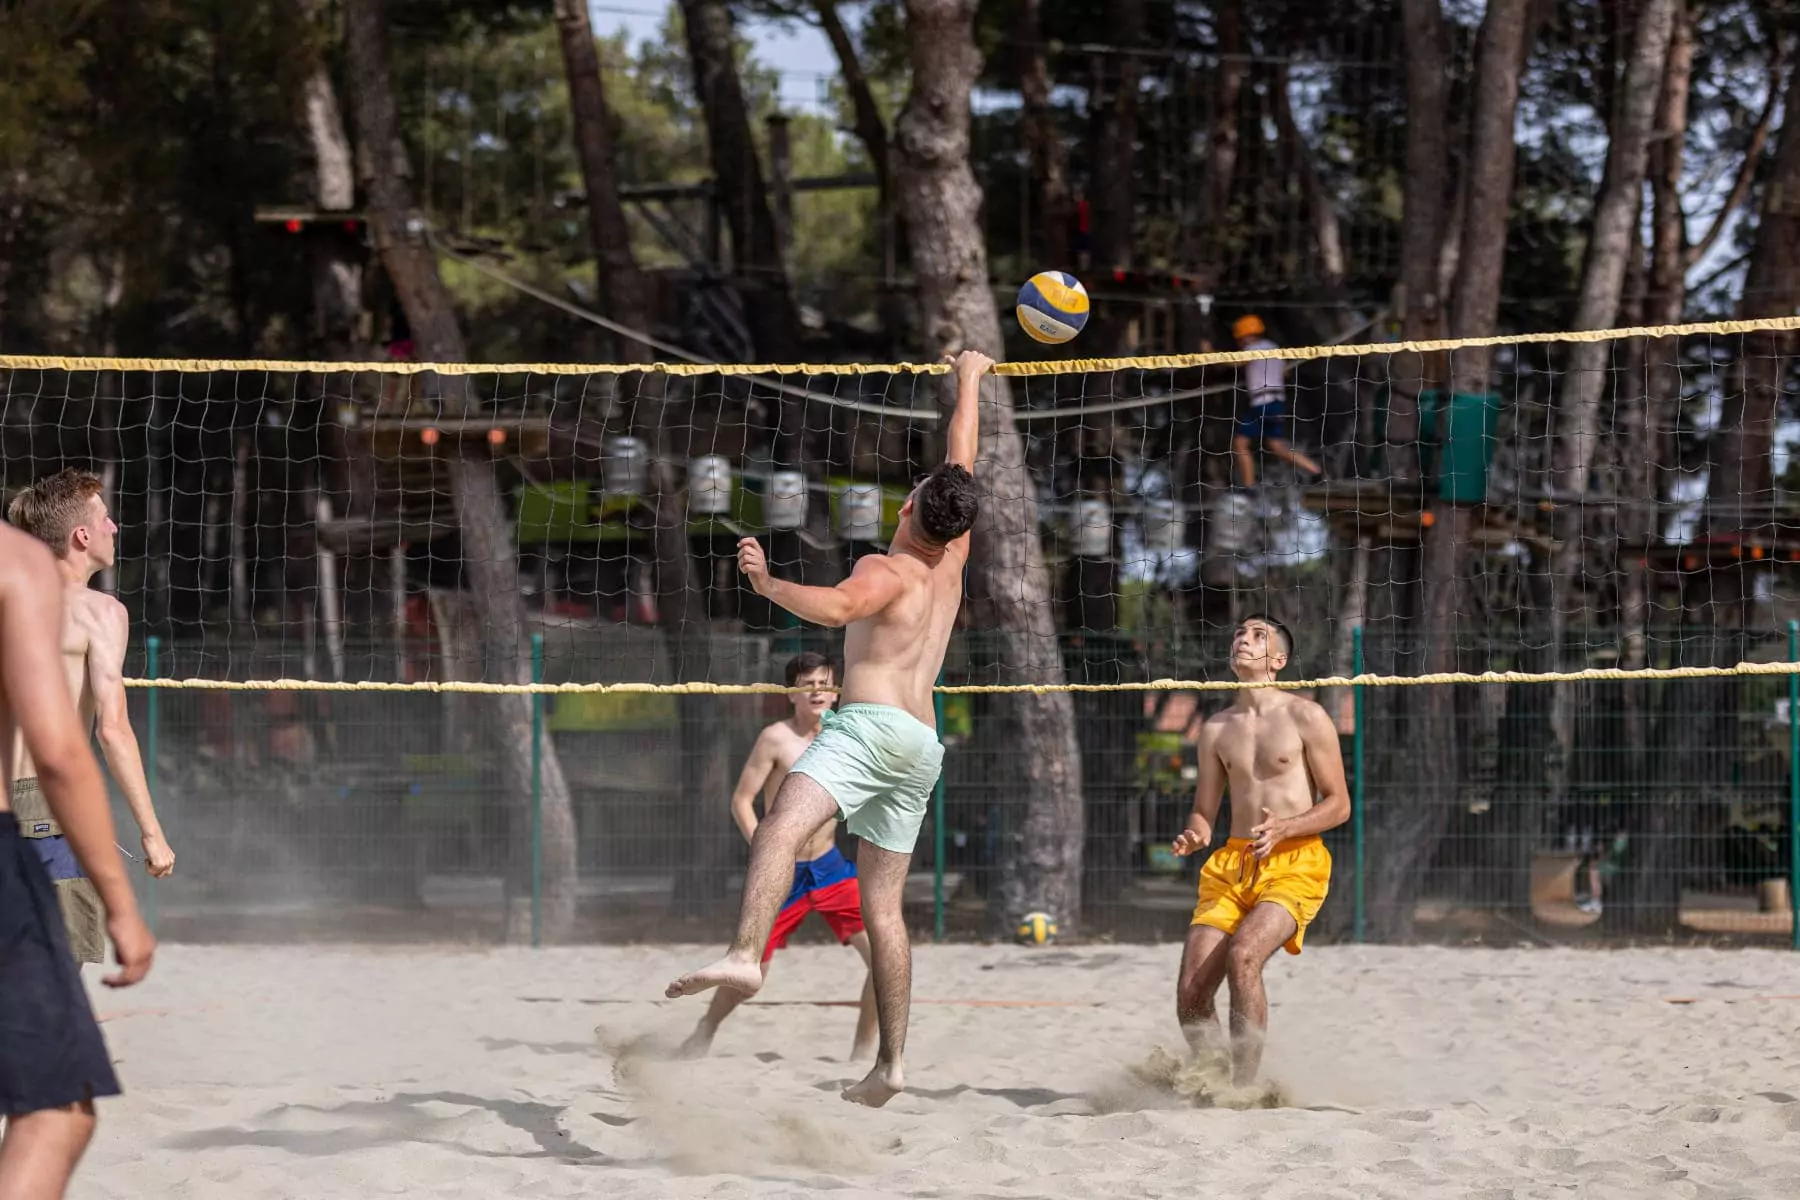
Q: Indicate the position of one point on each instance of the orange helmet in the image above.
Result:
(1247, 326)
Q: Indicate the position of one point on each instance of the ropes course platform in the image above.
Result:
(1398, 511)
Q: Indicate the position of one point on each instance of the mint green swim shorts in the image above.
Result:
(879, 763)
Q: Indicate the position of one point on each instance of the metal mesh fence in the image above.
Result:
(1600, 809)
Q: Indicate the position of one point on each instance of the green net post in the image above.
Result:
(1794, 785)
(152, 727)
(937, 830)
(1356, 775)
(537, 792)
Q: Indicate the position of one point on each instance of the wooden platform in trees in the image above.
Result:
(1397, 511)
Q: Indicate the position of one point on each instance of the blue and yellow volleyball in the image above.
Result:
(1037, 928)
(1053, 307)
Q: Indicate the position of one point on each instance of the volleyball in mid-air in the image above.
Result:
(1037, 928)
(1053, 307)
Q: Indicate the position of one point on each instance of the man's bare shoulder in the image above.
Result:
(781, 743)
(877, 564)
(1219, 722)
(95, 612)
(779, 733)
(97, 606)
(1308, 714)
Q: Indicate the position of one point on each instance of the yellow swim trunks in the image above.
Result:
(1296, 876)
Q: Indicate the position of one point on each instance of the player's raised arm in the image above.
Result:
(1209, 793)
(750, 785)
(872, 586)
(106, 677)
(962, 438)
(38, 693)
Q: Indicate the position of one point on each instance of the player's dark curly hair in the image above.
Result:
(946, 504)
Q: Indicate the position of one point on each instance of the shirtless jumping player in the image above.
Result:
(53, 1061)
(1262, 888)
(66, 513)
(824, 880)
(877, 757)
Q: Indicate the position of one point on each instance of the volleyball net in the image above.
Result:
(1612, 512)
(1465, 502)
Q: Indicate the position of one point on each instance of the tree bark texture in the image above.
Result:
(1114, 181)
(1409, 808)
(1008, 585)
(1493, 150)
(1222, 142)
(623, 295)
(742, 191)
(488, 554)
(1739, 490)
(1668, 238)
(1646, 431)
(871, 129)
(680, 603)
(1322, 214)
(1609, 243)
(333, 260)
(1114, 186)
(1044, 145)
(1425, 197)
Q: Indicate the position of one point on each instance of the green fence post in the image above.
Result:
(152, 723)
(937, 829)
(1794, 784)
(1356, 777)
(537, 791)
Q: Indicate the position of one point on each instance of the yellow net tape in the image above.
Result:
(1062, 366)
(1148, 685)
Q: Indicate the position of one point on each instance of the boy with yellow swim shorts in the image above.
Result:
(1259, 891)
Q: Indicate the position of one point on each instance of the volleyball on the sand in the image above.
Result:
(1037, 928)
(1053, 306)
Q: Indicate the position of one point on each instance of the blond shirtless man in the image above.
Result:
(877, 757)
(824, 880)
(53, 1061)
(66, 513)
(1260, 890)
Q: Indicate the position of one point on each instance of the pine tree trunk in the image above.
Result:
(1603, 276)
(680, 603)
(1426, 196)
(1487, 189)
(866, 120)
(1114, 180)
(488, 554)
(1008, 586)
(1406, 817)
(1475, 302)
(742, 192)
(1043, 141)
(623, 294)
(1647, 429)
(336, 271)
(1617, 210)
(1321, 210)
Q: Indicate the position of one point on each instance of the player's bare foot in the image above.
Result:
(739, 975)
(879, 1086)
(698, 1044)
